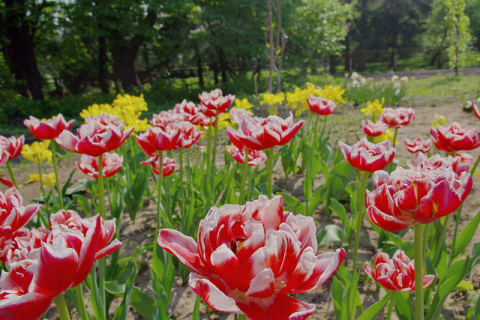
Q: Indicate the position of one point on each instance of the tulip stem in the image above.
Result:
(361, 212)
(391, 305)
(315, 129)
(241, 199)
(457, 222)
(101, 262)
(323, 126)
(47, 205)
(390, 166)
(269, 172)
(214, 156)
(101, 192)
(475, 166)
(159, 190)
(10, 170)
(55, 170)
(81, 302)
(241, 317)
(182, 186)
(418, 230)
(62, 307)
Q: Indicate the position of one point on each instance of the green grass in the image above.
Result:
(445, 86)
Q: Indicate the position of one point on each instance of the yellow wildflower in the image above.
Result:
(387, 135)
(298, 98)
(334, 93)
(124, 101)
(313, 89)
(374, 107)
(224, 121)
(48, 179)
(96, 109)
(272, 99)
(139, 125)
(243, 104)
(37, 152)
(438, 120)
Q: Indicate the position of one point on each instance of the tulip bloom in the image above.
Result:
(320, 105)
(476, 109)
(215, 102)
(4, 156)
(374, 129)
(164, 118)
(397, 118)
(48, 129)
(419, 195)
(238, 114)
(397, 274)
(167, 168)
(94, 138)
(55, 261)
(188, 133)
(13, 215)
(454, 137)
(263, 133)
(418, 145)
(112, 163)
(155, 140)
(247, 259)
(367, 156)
(12, 145)
(255, 157)
(436, 161)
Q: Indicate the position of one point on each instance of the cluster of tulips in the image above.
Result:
(249, 257)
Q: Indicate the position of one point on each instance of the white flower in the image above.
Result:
(355, 76)
(394, 78)
(397, 92)
(404, 79)
(363, 81)
(355, 84)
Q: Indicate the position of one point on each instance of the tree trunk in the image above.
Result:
(333, 64)
(362, 66)
(124, 64)
(223, 64)
(102, 64)
(201, 82)
(18, 48)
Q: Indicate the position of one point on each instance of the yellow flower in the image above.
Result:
(139, 125)
(137, 103)
(438, 121)
(37, 152)
(224, 121)
(334, 93)
(272, 99)
(313, 89)
(374, 107)
(387, 135)
(96, 109)
(298, 98)
(243, 104)
(47, 178)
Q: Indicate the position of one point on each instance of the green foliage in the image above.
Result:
(458, 33)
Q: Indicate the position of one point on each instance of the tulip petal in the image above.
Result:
(213, 297)
(263, 285)
(29, 306)
(184, 248)
(327, 265)
(113, 246)
(285, 307)
(226, 265)
(385, 221)
(56, 271)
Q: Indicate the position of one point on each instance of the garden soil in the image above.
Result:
(183, 298)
